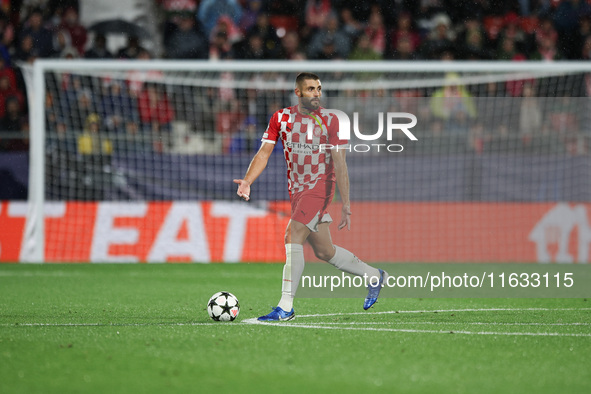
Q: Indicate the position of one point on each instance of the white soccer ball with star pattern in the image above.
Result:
(223, 306)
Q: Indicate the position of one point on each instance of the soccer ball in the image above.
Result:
(223, 306)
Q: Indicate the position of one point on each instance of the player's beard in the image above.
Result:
(310, 103)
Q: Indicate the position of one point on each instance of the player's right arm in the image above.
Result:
(256, 167)
(260, 159)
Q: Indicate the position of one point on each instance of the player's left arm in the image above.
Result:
(342, 175)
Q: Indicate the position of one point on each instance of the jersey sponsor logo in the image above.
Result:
(302, 147)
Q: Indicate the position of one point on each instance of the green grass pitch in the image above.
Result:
(144, 329)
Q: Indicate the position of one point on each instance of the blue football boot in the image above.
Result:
(374, 292)
(278, 314)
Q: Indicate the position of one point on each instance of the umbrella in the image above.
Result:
(119, 26)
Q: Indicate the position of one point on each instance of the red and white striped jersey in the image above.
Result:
(308, 160)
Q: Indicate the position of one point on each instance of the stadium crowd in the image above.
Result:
(269, 29)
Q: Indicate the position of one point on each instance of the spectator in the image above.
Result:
(453, 105)
(512, 31)
(329, 39)
(363, 50)
(220, 47)
(41, 39)
(172, 8)
(6, 37)
(94, 169)
(9, 89)
(206, 104)
(545, 30)
(299, 56)
(253, 48)
(226, 25)
(530, 114)
(586, 49)
(351, 26)
(99, 49)
(134, 140)
(117, 107)
(566, 18)
(77, 32)
(328, 50)
(507, 50)
(62, 44)
(563, 115)
(26, 51)
(61, 162)
(427, 10)
(211, 10)
(472, 39)
(132, 49)
(155, 111)
(91, 141)
(291, 45)
(440, 38)
(144, 54)
(188, 41)
(546, 50)
(52, 113)
(404, 49)
(583, 34)
(14, 122)
(268, 34)
(247, 139)
(250, 12)
(81, 109)
(66, 87)
(473, 48)
(69, 53)
(477, 138)
(6, 70)
(404, 30)
(317, 12)
(376, 32)
(136, 79)
(514, 87)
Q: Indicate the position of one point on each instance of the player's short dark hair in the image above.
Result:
(303, 76)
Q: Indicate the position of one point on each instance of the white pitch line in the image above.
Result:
(319, 325)
(339, 326)
(106, 324)
(447, 310)
(451, 323)
(292, 325)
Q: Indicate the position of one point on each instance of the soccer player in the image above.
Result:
(313, 166)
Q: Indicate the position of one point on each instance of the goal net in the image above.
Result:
(134, 161)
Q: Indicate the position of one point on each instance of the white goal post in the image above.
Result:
(378, 75)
